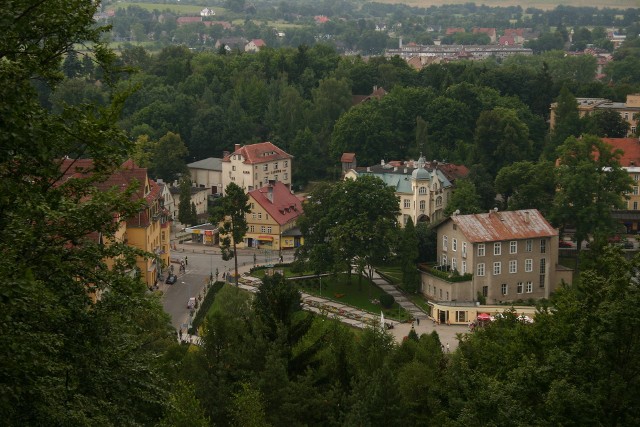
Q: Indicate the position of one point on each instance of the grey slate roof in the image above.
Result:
(211, 163)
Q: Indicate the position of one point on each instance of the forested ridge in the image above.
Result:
(65, 360)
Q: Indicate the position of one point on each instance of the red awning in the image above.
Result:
(484, 316)
(265, 238)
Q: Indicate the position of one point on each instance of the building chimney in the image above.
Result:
(527, 217)
(236, 147)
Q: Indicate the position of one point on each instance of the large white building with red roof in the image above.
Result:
(497, 257)
(273, 218)
(253, 166)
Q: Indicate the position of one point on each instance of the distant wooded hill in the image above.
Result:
(540, 4)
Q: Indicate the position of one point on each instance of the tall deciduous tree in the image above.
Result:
(465, 199)
(185, 214)
(168, 157)
(567, 121)
(349, 221)
(67, 360)
(231, 212)
(590, 183)
(606, 124)
(527, 185)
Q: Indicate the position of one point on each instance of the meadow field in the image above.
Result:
(180, 9)
(540, 4)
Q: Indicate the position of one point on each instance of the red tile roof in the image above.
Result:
(347, 157)
(500, 226)
(188, 19)
(630, 147)
(261, 152)
(283, 206)
(259, 42)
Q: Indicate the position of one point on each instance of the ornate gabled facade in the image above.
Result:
(423, 189)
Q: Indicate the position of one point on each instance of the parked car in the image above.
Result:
(171, 279)
(191, 303)
(565, 244)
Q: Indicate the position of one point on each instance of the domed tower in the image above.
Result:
(420, 178)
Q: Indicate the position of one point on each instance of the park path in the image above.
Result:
(359, 318)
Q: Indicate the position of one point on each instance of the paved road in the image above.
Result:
(202, 261)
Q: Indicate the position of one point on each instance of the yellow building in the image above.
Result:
(273, 218)
(587, 106)
(148, 230)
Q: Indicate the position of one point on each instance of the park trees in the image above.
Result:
(186, 215)
(67, 359)
(590, 182)
(349, 223)
(567, 120)
(527, 185)
(231, 211)
(465, 199)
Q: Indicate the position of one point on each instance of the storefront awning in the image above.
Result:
(265, 237)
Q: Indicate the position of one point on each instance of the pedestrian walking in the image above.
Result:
(447, 347)
(186, 260)
(216, 274)
(180, 334)
(418, 321)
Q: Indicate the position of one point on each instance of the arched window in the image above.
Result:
(423, 204)
(422, 190)
(439, 201)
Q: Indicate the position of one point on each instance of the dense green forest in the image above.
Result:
(66, 360)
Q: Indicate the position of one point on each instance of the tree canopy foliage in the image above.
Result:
(67, 360)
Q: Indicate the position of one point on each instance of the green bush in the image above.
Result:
(206, 305)
(387, 300)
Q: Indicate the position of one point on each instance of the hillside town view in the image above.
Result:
(319, 213)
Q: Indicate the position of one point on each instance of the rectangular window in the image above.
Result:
(543, 246)
(407, 203)
(254, 215)
(528, 265)
(529, 287)
(445, 242)
(454, 245)
(259, 215)
(265, 167)
(286, 176)
(263, 229)
(275, 165)
(268, 230)
(528, 246)
(464, 249)
(520, 287)
(286, 163)
(480, 249)
(542, 276)
(504, 288)
(444, 260)
(233, 168)
(454, 263)
(635, 206)
(513, 247)
(513, 266)
(485, 291)
(266, 180)
(497, 268)
(252, 229)
(497, 248)
(461, 316)
(543, 266)
(464, 267)
(480, 271)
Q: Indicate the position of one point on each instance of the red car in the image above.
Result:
(564, 244)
